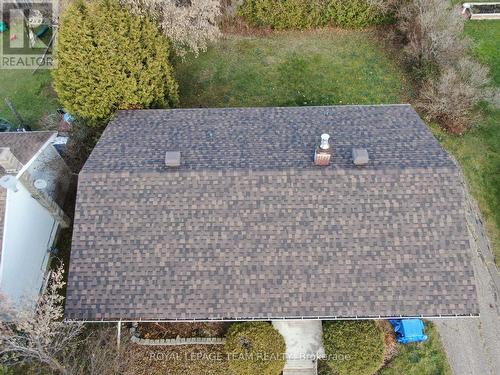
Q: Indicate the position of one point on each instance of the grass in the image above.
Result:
(486, 36)
(290, 69)
(31, 94)
(426, 358)
(478, 151)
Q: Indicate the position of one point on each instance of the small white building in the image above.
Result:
(34, 181)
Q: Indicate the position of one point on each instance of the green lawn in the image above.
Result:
(290, 68)
(478, 151)
(426, 358)
(30, 93)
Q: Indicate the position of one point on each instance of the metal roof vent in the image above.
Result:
(40, 184)
(360, 156)
(173, 158)
(323, 152)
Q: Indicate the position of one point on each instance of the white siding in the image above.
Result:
(29, 232)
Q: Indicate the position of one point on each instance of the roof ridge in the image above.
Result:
(340, 168)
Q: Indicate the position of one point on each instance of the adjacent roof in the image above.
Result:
(248, 228)
(24, 145)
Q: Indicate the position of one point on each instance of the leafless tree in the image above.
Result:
(189, 24)
(40, 336)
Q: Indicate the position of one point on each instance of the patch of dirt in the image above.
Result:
(389, 339)
(156, 331)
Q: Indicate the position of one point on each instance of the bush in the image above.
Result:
(255, 348)
(450, 85)
(300, 14)
(433, 31)
(353, 13)
(109, 59)
(451, 98)
(353, 347)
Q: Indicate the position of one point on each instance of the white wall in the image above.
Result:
(29, 232)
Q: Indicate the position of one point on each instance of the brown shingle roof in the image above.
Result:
(248, 227)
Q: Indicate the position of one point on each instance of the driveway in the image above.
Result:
(473, 345)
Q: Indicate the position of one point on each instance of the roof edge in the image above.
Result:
(265, 107)
(310, 318)
(38, 153)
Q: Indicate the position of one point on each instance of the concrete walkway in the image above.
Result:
(304, 344)
(473, 345)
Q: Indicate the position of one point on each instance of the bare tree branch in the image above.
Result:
(41, 336)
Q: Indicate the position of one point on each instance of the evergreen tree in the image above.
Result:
(108, 59)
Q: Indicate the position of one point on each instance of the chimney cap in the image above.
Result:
(173, 158)
(323, 153)
(360, 156)
(325, 144)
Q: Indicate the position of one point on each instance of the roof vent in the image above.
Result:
(360, 156)
(40, 184)
(173, 158)
(323, 152)
(8, 161)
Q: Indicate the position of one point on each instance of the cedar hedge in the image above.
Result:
(255, 348)
(300, 14)
(109, 59)
(353, 347)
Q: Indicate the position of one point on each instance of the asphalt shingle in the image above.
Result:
(248, 227)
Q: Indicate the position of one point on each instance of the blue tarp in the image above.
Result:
(409, 330)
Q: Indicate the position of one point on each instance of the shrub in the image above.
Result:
(353, 13)
(300, 14)
(285, 14)
(450, 84)
(353, 347)
(450, 99)
(433, 30)
(109, 59)
(255, 348)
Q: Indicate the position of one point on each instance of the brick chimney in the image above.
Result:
(323, 152)
(8, 161)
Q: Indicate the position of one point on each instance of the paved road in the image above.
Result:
(473, 345)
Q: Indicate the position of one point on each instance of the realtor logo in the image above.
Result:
(27, 31)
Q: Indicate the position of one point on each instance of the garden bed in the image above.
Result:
(163, 331)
